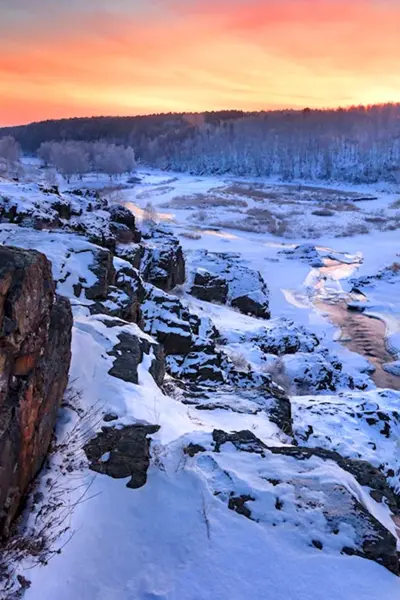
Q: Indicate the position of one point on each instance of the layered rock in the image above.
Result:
(163, 264)
(123, 224)
(35, 340)
(209, 287)
(224, 278)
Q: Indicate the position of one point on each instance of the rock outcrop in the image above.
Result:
(353, 498)
(122, 452)
(35, 340)
(123, 224)
(209, 287)
(163, 264)
(129, 353)
(224, 277)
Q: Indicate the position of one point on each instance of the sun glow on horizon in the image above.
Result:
(169, 56)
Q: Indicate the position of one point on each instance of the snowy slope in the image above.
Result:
(221, 517)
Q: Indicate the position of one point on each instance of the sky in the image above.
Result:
(70, 58)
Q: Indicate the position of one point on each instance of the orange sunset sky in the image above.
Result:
(123, 57)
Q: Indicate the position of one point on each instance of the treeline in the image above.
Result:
(69, 158)
(358, 144)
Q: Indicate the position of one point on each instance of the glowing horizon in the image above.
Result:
(157, 56)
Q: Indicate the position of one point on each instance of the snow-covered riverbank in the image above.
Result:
(224, 515)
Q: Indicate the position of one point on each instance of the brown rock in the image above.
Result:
(35, 339)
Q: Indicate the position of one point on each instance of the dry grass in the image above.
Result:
(292, 194)
(343, 206)
(354, 229)
(204, 201)
(253, 193)
(272, 224)
(261, 214)
(53, 497)
(395, 204)
(156, 191)
(395, 267)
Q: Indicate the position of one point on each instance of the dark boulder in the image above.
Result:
(340, 503)
(209, 287)
(253, 304)
(122, 233)
(165, 318)
(123, 224)
(366, 474)
(163, 263)
(121, 214)
(63, 208)
(50, 190)
(225, 277)
(129, 353)
(103, 269)
(132, 253)
(122, 452)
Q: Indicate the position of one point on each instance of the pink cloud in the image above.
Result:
(204, 55)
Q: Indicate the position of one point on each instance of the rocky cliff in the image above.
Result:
(35, 341)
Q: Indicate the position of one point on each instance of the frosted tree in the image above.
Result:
(50, 177)
(114, 160)
(44, 152)
(10, 154)
(70, 159)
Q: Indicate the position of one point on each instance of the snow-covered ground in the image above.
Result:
(293, 284)
(238, 517)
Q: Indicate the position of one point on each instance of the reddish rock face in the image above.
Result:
(35, 342)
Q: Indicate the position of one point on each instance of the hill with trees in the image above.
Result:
(357, 144)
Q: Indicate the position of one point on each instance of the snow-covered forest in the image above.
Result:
(355, 145)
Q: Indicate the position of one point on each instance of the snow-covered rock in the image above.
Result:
(163, 264)
(356, 424)
(224, 277)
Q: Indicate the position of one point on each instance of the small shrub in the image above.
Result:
(278, 374)
(323, 212)
(239, 361)
(149, 216)
(395, 267)
(201, 216)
